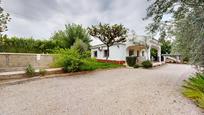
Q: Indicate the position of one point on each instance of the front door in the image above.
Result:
(131, 52)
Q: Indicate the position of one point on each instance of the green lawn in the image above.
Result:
(93, 65)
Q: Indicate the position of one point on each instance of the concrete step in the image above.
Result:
(22, 74)
(12, 69)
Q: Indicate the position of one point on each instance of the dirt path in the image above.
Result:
(111, 92)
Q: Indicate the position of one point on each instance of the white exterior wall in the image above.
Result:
(120, 51)
(116, 52)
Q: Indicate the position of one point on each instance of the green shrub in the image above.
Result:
(61, 55)
(185, 60)
(72, 64)
(147, 64)
(86, 54)
(42, 71)
(30, 70)
(131, 60)
(69, 59)
(136, 66)
(193, 89)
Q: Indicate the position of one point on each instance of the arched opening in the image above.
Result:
(138, 51)
(154, 54)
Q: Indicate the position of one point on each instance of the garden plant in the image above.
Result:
(193, 89)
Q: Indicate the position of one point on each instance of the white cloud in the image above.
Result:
(40, 18)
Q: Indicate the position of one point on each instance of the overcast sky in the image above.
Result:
(41, 18)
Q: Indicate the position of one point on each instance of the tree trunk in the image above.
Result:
(107, 53)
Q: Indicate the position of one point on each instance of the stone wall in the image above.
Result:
(18, 61)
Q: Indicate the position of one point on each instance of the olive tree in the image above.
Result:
(109, 34)
(4, 19)
(185, 23)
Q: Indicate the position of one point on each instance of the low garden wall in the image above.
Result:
(18, 61)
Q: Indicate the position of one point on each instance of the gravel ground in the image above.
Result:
(110, 92)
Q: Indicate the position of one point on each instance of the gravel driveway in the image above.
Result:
(110, 92)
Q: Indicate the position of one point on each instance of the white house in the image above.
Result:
(139, 46)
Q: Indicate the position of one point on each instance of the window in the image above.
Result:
(143, 53)
(105, 53)
(131, 52)
(95, 53)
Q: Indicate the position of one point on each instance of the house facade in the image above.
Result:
(135, 45)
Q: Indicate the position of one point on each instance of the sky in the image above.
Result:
(41, 18)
